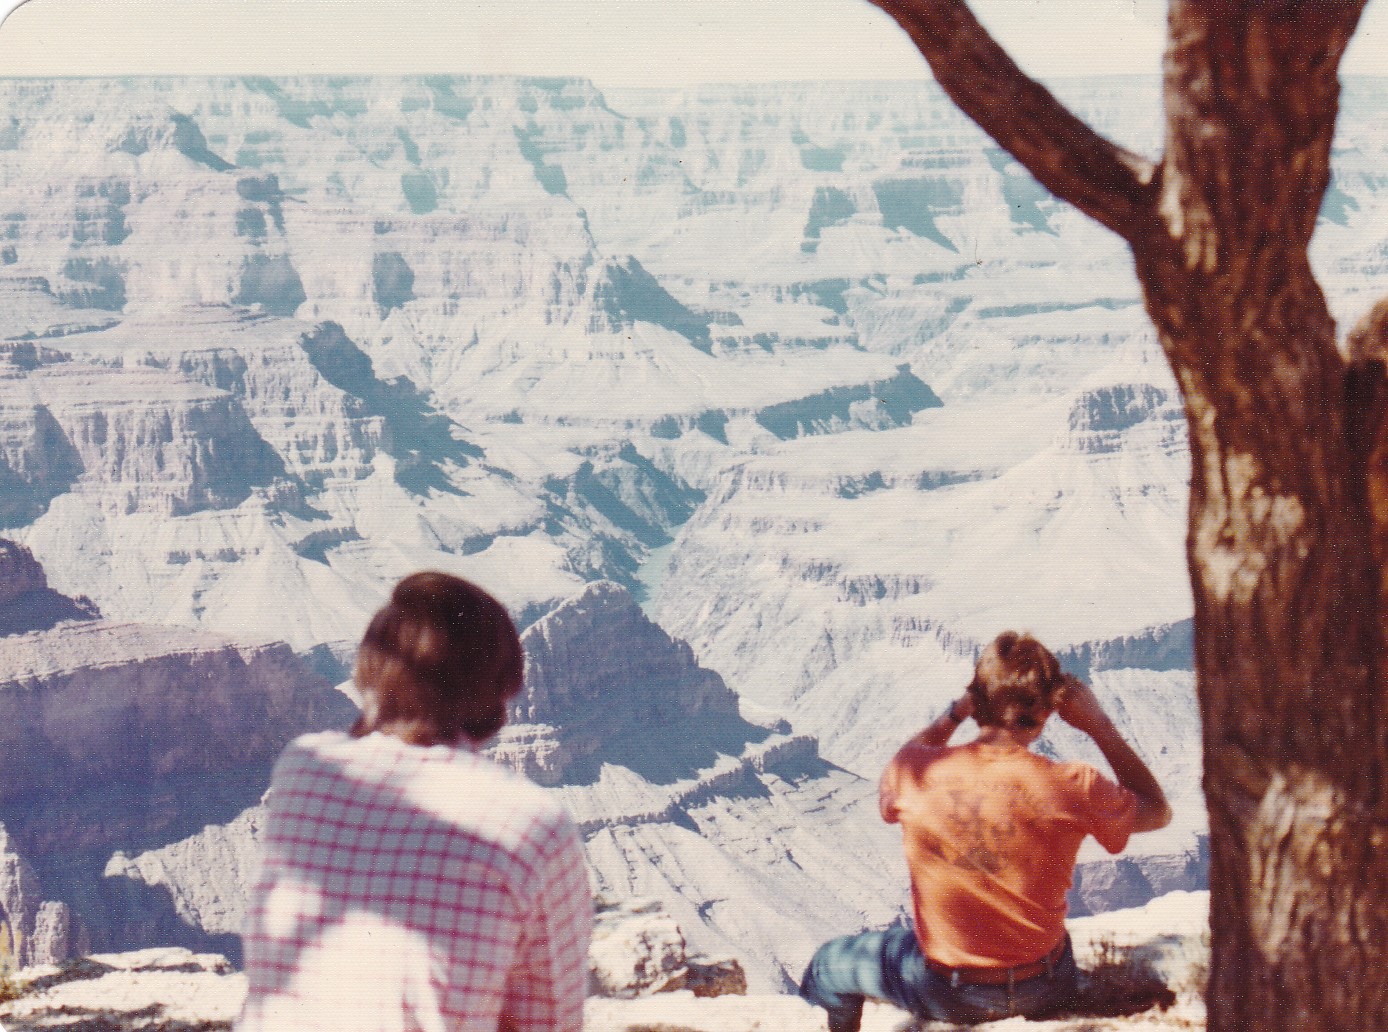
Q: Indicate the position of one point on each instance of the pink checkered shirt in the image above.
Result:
(410, 888)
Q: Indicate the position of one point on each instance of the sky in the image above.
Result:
(615, 43)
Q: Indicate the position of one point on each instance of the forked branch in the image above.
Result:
(1110, 184)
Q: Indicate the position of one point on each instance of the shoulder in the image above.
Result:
(308, 751)
(1102, 797)
(911, 762)
(916, 753)
(521, 795)
(316, 742)
(440, 778)
(479, 793)
(526, 823)
(457, 791)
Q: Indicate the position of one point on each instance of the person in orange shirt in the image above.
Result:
(991, 831)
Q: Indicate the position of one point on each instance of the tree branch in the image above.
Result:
(1112, 185)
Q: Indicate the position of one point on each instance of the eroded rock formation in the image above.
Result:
(119, 741)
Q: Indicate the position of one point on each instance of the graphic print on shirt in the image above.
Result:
(978, 837)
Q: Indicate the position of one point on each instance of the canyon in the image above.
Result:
(761, 408)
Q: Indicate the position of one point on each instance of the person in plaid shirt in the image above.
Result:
(406, 881)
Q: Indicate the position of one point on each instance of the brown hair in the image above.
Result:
(1016, 682)
(440, 661)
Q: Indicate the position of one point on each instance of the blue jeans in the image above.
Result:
(888, 965)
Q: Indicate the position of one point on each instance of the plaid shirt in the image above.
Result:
(411, 888)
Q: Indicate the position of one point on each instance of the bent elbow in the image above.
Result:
(1153, 815)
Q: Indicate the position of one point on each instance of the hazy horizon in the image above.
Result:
(615, 43)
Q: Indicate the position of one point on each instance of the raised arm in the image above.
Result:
(935, 735)
(942, 728)
(1080, 709)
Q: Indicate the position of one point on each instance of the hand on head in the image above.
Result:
(962, 708)
(1079, 706)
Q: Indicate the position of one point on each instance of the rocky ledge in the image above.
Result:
(176, 990)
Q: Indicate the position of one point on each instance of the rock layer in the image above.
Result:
(84, 703)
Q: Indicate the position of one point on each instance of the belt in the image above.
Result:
(997, 975)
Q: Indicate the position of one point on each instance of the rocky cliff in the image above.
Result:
(133, 440)
(85, 703)
(814, 370)
(598, 671)
(116, 739)
(27, 603)
(598, 651)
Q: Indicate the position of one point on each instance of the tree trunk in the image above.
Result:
(1289, 485)
(1286, 585)
(1287, 648)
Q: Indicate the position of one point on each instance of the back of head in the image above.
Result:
(1016, 683)
(438, 663)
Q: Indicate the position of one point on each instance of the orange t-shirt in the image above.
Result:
(991, 834)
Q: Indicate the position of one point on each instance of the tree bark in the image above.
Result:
(1288, 523)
